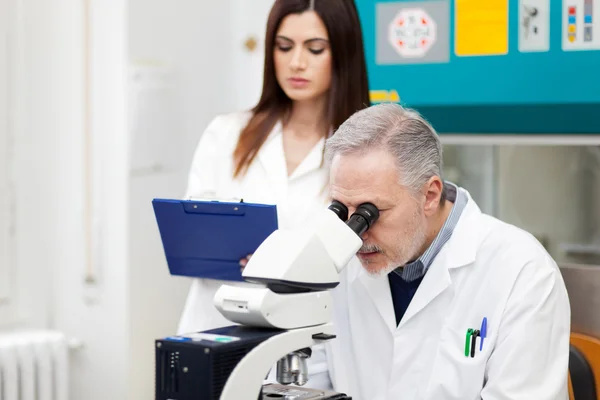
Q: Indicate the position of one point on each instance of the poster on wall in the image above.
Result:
(413, 32)
(480, 28)
(534, 25)
(581, 30)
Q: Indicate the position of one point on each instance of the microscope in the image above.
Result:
(277, 321)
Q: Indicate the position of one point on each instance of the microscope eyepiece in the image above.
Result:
(339, 209)
(363, 218)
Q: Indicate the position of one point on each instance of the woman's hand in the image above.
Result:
(244, 262)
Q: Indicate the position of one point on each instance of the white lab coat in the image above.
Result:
(487, 269)
(211, 174)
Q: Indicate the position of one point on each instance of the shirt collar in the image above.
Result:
(419, 267)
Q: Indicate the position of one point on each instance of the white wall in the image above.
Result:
(96, 315)
(48, 166)
(133, 300)
(35, 127)
(6, 307)
(177, 86)
(249, 20)
(188, 54)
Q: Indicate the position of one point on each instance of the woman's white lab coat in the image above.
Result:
(266, 181)
(487, 269)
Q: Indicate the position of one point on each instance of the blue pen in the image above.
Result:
(482, 332)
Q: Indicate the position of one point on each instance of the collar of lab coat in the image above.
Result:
(461, 248)
(272, 158)
(459, 251)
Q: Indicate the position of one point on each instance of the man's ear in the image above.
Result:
(433, 193)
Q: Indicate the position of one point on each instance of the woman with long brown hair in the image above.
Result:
(314, 78)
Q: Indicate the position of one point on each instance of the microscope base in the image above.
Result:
(229, 363)
(274, 391)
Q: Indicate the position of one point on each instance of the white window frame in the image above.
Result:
(8, 308)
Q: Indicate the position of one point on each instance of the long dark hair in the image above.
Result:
(349, 86)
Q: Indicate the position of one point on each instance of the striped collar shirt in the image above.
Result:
(418, 268)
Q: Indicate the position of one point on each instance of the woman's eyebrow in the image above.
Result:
(307, 41)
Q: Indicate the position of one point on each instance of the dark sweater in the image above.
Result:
(402, 293)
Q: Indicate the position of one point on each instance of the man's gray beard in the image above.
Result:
(418, 239)
(365, 263)
(381, 272)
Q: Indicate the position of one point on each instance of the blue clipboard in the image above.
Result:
(207, 239)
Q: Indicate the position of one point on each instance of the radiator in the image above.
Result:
(34, 366)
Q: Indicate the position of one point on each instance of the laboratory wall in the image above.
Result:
(5, 214)
(107, 101)
(53, 150)
(175, 74)
(26, 90)
(188, 62)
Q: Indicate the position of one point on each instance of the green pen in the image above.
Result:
(468, 341)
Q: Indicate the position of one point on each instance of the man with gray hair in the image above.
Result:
(442, 301)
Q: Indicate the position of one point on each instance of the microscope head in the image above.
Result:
(294, 270)
(310, 258)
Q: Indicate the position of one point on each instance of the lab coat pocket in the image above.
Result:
(459, 368)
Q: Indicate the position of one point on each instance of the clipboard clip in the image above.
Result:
(214, 208)
(212, 196)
